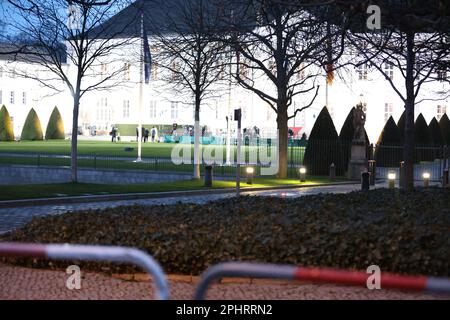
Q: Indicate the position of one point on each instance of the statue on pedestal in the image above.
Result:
(358, 159)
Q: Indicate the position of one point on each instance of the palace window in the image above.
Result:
(126, 109)
(24, 98)
(441, 110)
(442, 74)
(12, 98)
(388, 111)
(1, 97)
(363, 71)
(152, 109)
(174, 110)
(127, 71)
(389, 70)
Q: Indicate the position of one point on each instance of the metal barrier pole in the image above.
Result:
(286, 272)
(92, 253)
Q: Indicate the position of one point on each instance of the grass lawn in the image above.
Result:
(104, 148)
(69, 189)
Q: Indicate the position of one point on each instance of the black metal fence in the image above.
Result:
(316, 156)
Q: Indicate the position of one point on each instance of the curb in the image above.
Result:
(151, 195)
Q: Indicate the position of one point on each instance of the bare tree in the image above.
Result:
(69, 40)
(288, 49)
(190, 55)
(414, 40)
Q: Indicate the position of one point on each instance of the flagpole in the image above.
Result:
(141, 91)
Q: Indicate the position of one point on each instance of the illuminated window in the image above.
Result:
(441, 110)
(363, 71)
(389, 70)
(152, 109)
(388, 111)
(174, 110)
(126, 109)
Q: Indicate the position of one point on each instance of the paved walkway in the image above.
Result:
(11, 218)
(28, 284)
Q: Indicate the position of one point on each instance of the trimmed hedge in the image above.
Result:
(55, 127)
(6, 127)
(423, 141)
(32, 129)
(436, 134)
(401, 127)
(323, 147)
(389, 152)
(444, 124)
(402, 232)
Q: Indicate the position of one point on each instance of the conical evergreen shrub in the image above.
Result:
(389, 150)
(32, 129)
(436, 134)
(422, 140)
(444, 124)
(6, 127)
(55, 127)
(401, 127)
(323, 147)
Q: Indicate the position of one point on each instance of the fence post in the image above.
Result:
(38, 159)
(95, 161)
(156, 164)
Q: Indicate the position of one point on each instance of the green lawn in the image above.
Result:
(69, 189)
(104, 148)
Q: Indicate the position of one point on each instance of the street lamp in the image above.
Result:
(302, 172)
(391, 177)
(426, 179)
(250, 172)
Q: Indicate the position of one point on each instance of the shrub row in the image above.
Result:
(32, 129)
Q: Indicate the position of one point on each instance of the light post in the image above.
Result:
(302, 172)
(250, 173)
(426, 179)
(391, 177)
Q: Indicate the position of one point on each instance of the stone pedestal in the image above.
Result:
(358, 160)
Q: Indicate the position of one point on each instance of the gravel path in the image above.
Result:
(31, 284)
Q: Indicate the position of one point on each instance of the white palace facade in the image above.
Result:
(164, 106)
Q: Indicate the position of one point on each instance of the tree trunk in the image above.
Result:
(197, 134)
(74, 142)
(282, 124)
(408, 148)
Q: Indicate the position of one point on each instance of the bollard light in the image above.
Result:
(391, 178)
(302, 172)
(426, 179)
(250, 172)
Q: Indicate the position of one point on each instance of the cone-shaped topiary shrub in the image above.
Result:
(55, 127)
(444, 124)
(6, 127)
(436, 134)
(32, 129)
(323, 147)
(422, 140)
(345, 139)
(401, 127)
(389, 150)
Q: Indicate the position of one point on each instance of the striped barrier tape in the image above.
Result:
(286, 272)
(92, 253)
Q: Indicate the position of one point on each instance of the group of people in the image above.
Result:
(115, 134)
(146, 134)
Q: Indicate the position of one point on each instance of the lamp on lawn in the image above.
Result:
(391, 177)
(250, 171)
(302, 172)
(426, 179)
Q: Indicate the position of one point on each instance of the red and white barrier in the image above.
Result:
(92, 253)
(270, 271)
